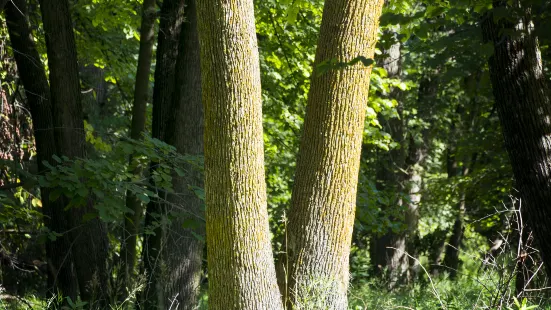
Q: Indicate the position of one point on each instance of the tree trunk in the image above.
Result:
(323, 202)
(240, 260)
(387, 252)
(165, 71)
(33, 76)
(141, 95)
(451, 257)
(413, 182)
(184, 244)
(89, 240)
(523, 103)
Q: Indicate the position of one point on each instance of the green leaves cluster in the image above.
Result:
(106, 180)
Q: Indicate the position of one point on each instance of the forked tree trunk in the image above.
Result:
(89, 239)
(61, 274)
(141, 95)
(323, 202)
(523, 103)
(240, 260)
(185, 235)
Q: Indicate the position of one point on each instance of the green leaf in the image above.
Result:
(82, 192)
(54, 195)
(143, 197)
(179, 172)
(89, 216)
(56, 158)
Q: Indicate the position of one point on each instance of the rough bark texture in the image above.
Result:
(324, 195)
(240, 261)
(184, 247)
(61, 275)
(523, 103)
(89, 239)
(172, 16)
(141, 95)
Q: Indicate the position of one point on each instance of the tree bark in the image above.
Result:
(186, 232)
(141, 95)
(522, 98)
(240, 261)
(89, 240)
(61, 275)
(165, 71)
(323, 202)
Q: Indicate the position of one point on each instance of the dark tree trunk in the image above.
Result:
(387, 251)
(141, 95)
(451, 250)
(89, 239)
(184, 244)
(399, 175)
(33, 76)
(163, 91)
(524, 107)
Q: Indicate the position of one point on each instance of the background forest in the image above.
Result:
(185, 154)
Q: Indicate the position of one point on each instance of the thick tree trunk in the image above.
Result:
(172, 16)
(321, 217)
(240, 260)
(89, 240)
(141, 95)
(184, 245)
(524, 106)
(33, 76)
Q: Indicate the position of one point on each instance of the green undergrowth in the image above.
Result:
(443, 293)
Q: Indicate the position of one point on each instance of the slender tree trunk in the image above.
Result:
(172, 16)
(141, 95)
(89, 240)
(184, 245)
(417, 148)
(436, 250)
(387, 252)
(61, 275)
(524, 106)
(321, 217)
(452, 250)
(414, 182)
(240, 260)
